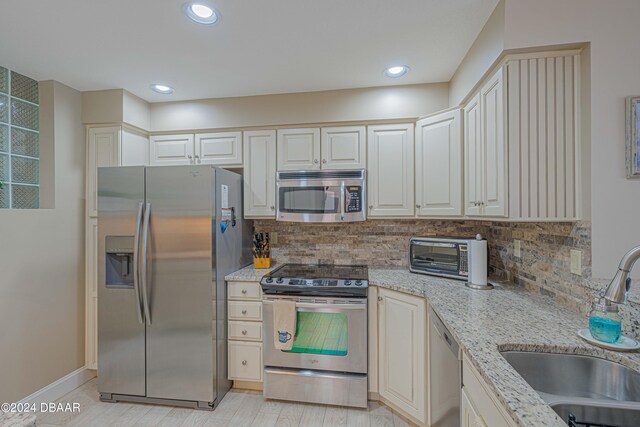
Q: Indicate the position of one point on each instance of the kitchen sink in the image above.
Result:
(590, 414)
(582, 389)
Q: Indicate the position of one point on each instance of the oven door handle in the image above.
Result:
(322, 305)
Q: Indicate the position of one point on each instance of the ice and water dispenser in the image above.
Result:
(119, 260)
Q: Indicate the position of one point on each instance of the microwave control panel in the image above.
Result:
(353, 199)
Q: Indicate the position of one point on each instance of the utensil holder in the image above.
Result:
(262, 262)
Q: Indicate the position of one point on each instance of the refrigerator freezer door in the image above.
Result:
(121, 334)
(180, 348)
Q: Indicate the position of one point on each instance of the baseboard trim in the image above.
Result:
(60, 387)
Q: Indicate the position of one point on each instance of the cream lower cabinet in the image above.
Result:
(402, 344)
(479, 407)
(390, 179)
(259, 173)
(439, 165)
(244, 331)
(469, 416)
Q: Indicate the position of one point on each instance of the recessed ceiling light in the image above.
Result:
(201, 12)
(163, 89)
(396, 71)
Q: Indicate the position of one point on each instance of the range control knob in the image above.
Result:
(269, 279)
(358, 282)
(279, 280)
(347, 282)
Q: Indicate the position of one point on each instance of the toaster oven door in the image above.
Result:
(436, 257)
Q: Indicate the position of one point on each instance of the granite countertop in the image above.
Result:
(486, 322)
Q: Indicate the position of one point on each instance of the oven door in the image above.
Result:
(310, 201)
(331, 335)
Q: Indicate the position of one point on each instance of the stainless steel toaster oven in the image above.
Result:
(448, 257)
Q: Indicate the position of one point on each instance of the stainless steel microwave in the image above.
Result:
(321, 196)
(449, 257)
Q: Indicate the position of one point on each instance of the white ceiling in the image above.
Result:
(258, 47)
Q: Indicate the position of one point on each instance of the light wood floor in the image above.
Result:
(238, 408)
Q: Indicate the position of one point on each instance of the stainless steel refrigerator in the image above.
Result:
(168, 235)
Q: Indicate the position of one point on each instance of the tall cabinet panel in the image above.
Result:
(439, 165)
(103, 149)
(493, 146)
(299, 149)
(343, 147)
(390, 170)
(260, 173)
(472, 157)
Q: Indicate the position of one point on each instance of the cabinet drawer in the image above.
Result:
(245, 310)
(245, 361)
(244, 291)
(249, 331)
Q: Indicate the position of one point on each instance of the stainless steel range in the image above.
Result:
(328, 361)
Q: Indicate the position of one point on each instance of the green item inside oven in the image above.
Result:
(321, 333)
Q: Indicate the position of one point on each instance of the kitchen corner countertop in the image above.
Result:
(17, 419)
(487, 322)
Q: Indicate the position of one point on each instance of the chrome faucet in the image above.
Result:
(619, 286)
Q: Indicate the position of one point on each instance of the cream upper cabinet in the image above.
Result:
(171, 150)
(219, 148)
(260, 173)
(343, 147)
(103, 150)
(299, 149)
(472, 157)
(485, 151)
(390, 170)
(135, 149)
(492, 113)
(402, 338)
(544, 137)
(439, 165)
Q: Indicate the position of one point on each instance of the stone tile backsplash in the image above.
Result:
(544, 265)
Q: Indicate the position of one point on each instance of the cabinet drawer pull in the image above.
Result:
(244, 332)
(244, 363)
(244, 311)
(244, 291)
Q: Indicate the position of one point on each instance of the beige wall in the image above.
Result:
(115, 106)
(484, 51)
(42, 263)
(380, 103)
(612, 30)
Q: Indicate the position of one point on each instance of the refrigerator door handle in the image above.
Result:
(136, 279)
(143, 270)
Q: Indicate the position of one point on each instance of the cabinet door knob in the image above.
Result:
(244, 332)
(197, 159)
(244, 291)
(244, 363)
(190, 157)
(315, 161)
(324, 160)
(370, 206)
(244, 311)
(380, 299)
(418, 206)
(273, 208)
